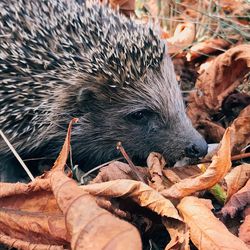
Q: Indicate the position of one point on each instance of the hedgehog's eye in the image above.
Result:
(140, 116)
(137, 115)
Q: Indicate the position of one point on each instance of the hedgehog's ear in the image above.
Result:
(85, 99)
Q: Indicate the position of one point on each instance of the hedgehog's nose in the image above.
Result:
(196, 149)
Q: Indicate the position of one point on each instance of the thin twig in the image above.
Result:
(240, 156)
(233, 158)
(130, 163)
(17, 156)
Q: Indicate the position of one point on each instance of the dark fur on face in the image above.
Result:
(147, 115)
(60, 60)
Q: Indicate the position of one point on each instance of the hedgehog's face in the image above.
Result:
(173, 137)
(145, 116)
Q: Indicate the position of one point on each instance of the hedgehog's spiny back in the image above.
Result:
(46, 43)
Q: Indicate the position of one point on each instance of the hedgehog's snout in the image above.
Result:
(197, 148)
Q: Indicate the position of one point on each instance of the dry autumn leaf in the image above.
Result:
(30, 216)
(20, 244)
(205, 48)
(36, 227)
(118, 170)
(156, 163)
(178, 173)
(237, 201)
(241, 126)
(244, 230)
(237, 178)
(183, 37)
(179, 234)
(221, 163)
(206, 231)
(139, 192)
(147, 197)
(66, 216)
(89, 226)
(217, 82)
(127, 7)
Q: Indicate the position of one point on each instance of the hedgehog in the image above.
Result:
(62, 59)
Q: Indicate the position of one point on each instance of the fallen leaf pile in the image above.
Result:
(209, 44)
(54, 212)
(190, 207)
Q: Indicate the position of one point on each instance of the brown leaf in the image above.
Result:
(205, 48)
(90, 226)
(9, 189)
(147, 197)
(244, 230)
(206, 231)
(237, 201)
(152, 7)
(237, 178)
(32, 215)
(26, 245)
(241, 126)
(139, 192)
(174, 175)
(35, 227)
(95, 228)
(220, 165)
(183, 37)
(217, 82)
(118, 170)
(222, 77)
(127, 7)
(178, 173)
(29, 212)
(212, 130)
(156, 163)
(179, 234)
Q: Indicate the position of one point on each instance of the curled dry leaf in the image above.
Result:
(179, 234)
(221, 163)
(183, 37)
(156, 163)
(35, 227)
(20, 244)
(67, 216)
(147, 197)
(205, 48)
(30, 216)
(217, 82)
(176, 174)
(237, 178)
(139, 192)
(206, 231)
(113, 207)
(241, 126)
(118, 170)
(238, 201)
(29, 213)
(9, 189)
(244, 230)
(89, 226)
(127, 7)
